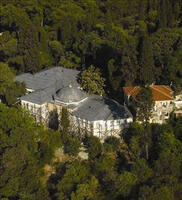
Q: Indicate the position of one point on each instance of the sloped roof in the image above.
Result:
(70, 94)
(159, 92)
(40, 96)
(47, 82)
(98, 108)
(58, 76)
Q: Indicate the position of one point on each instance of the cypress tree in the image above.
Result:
(163, 14)
(29, 47)
(170, 15)
(65, 122)
(144, 106)
(146, 62)
(142, 8)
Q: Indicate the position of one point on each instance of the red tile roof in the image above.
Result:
(159, 92)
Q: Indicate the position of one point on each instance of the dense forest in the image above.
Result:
(130, 42)
(126, 42)
(115, 170)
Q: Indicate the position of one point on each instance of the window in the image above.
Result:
(83, 123)
(91, 126)
(112, 124)
(155, 108)
(106, 125)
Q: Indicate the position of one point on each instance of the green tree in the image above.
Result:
(142, 170)
(129, 62)
(9, 90)
(105, 164)
(56, 50)
(162, 192)
(49, 142)
(65, 122)
(13, 93)
(8, 46)
(163, 10)
(142, 9)
(66, 17)
(114, 75)
(70, 60)
(72, 146)
(91, 81)
(87, 191)
(135, 146)
(75, 173)
(144, 104)
(174, 69)
(112, 143)
(19, 136)
(53, 121)
(29, 47)
(12, 17)
(93, 146)
(124, 184)
(134, 138)
(6, 78)
(146, 62)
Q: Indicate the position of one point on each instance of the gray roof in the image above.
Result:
(47, 82)
(70, 94)
(55, 82)
(40, 96)
(98, 108)
(58, 76)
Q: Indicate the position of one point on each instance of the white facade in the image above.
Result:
(178, 105)
(178, 101)
(101, 128)
(39, 112)
(161, 111)
(57, 87)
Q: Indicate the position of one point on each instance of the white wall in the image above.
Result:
(29, 90)
(100, 128)
(178, 101)
(39, 111)
(69, 103)
(161, 111)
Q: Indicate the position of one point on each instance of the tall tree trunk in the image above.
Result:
(146, 140)
(146, 150)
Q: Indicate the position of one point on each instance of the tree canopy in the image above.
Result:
(92, 82)
(114, 43)
(129, 42)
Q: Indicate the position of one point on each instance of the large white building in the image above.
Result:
(51, 90)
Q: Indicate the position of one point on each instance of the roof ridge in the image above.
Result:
(167, 87)
(135, 87)
(162, 92)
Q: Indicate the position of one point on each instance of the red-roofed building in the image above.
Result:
(162, 98)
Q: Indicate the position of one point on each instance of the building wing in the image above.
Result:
(96, 108)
